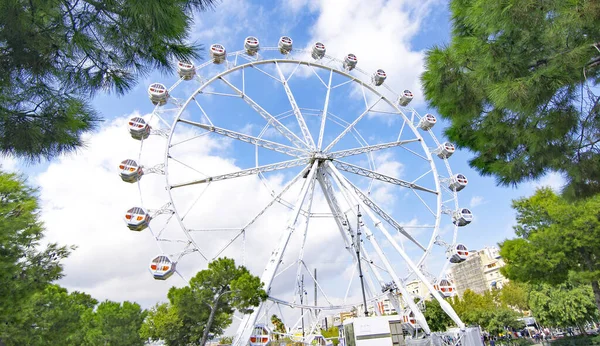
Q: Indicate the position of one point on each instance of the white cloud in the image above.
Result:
(476, 201)
(378, 32)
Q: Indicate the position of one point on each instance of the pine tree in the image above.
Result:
(517, 83)
(57, 54)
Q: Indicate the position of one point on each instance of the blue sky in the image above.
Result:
(392, 35)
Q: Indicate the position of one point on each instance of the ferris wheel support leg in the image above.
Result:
(399, 284)
(245, 328)
(336, 210)
(444, 304)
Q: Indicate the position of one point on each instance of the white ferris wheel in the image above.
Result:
(290, 160)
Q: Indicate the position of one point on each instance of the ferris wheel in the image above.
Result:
(291, 161)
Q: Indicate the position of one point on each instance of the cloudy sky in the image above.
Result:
(84, 200)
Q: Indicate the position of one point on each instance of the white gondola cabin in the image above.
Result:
(158, 94)
(137, 219)
(409, 317)
(445, 150)
(261, 335)
(130, 171)
(162, 267)
(285, 44)
(462, 217)
(446, 288)
(138, 128)
(378, 77)
(318, 51)
(350, 62)
(427, 122)
(251, 45)
(458, 182)
(218, 53)
(405, 98)
(186, 70)
(458, 253)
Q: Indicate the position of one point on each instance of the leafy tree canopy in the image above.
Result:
(55, 55)
(114, 324)
(50, 317)
(437, 319)
(27, 267)
(517, 83)
(205, 307)
(563, 305)
(557, 239)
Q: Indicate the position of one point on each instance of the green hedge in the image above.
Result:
(577, 341)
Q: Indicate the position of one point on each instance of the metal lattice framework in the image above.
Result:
(318, 158)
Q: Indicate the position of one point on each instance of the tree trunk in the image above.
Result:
(211, 318)
(596, 289)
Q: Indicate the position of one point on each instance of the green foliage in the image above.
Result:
(114, 324)
(582, 340)
(56, 315)
(278, 326)
(486, 311)
(563, 305)
(206, 306)
(226, 340)
(436, 318)
(516, 83)
(27, 267)
(557, 240)
(333, 333)
(55, 55)
(515, 294)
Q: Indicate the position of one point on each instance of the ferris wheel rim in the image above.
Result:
(288, 60)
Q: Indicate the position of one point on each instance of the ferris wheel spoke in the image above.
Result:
(369, 148)
(282, 129)
(276, 198)
(245, 172)
(381, 177)
(301, 123)
(379, 211)
(280, 148)
(324, 114)
(352, 125)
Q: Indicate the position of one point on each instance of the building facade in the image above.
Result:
(479, 272)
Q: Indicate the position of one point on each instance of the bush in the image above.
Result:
(580, 340)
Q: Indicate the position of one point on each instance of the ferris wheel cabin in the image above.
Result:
(350, 62)
(261, 335)
(186, 70)
(158, 93)
(285, 45)
(318, 51)
(458, 253)
(446, 288)
(409, 317)
(162, 267)
(378, 77)
(130, 171)
(218, 53)
(405, 98)
(138, 128)
(427, 122)
(137, 219)
(445, 150)
(458, 182)
(251, 45)
(462, 217)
